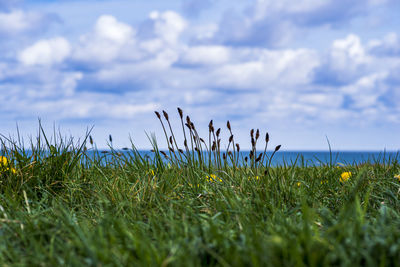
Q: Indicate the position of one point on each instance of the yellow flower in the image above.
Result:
(397, 177)
(298, 184)
(4, 165)
(345, 176)
(213, 178)
(3, 161)
(152, 172)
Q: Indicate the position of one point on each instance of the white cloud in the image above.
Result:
(206, 55)
(348, 53)
(109, 40)
(19, 21)
(168, 25)
(46, 52)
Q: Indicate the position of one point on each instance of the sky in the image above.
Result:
(306, 71)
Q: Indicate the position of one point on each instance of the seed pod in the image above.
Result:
(277, 147)
(125, 148)
(170, 140)
(228, 125)
(251, 154)
(259, 157)
(246, 159)
(218, 132)
(252, 133)
(213, 146)
(110, 138)
(185, 143)
(180, 150)
(224, 156)
(90, 140)
(192, 125)
(210, 126)
(231, 138)
(219, 143)
(171, 149)
(253, 142)
(257, 134)
(266, 137)
(152, 150)
(188, 125)
(237, 147)
(163, 153)
(157, 114)
(165, 114)
(188, 119)
(180, 113)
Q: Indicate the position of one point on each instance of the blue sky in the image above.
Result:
(302, 70)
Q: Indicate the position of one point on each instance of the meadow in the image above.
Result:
(199, 203)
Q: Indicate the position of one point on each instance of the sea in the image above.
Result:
(305, 158)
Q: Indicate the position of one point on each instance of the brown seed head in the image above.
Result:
(251, 154)
(188, 125)
(253, 142)
(180, 112)
(246, 159)
(210, 126)
(228, 125)
(157, 114)
(277, 147)
(165, 115)
(192, 125)
(218, 132)
(252, 133)
(259, 157)
(188, 119)
(214, 146)
(237, 147)
(257, 134)
(90, 140)
(171, 149)
(180, 150)
(170, 140)
(185, 143)
(224, 156)
(266, 137)
(231, 138)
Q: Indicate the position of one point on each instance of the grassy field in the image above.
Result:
(194, 205)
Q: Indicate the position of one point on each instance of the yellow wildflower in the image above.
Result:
(298, 184)
(397, 177)
(345, 176)
(213, 178)
(4, 165)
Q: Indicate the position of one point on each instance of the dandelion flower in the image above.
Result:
(345, 176)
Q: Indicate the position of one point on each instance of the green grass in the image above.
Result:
(62, 207)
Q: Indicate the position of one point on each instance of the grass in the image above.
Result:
(195, 205)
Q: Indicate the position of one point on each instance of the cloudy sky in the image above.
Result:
(302, 70)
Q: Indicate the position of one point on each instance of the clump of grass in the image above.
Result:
(67, 203)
